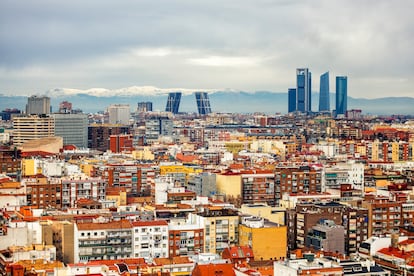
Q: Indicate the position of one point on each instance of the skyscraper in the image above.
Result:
(73, 128)
(144, 107)
(291, 100)
(119, 114)
(324, 93)
(38, 105)
(173, 102)
(303, 90)
(203, 103)
(341, 95)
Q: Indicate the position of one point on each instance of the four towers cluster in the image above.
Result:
(300, 98)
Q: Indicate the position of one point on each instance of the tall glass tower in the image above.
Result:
(341, 95)
(303, 90)
(203, 103)
(324, 93)
(291, 100)
(173, 102)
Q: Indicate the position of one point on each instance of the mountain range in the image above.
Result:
(97, 99)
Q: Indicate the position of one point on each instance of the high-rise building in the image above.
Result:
(203, 103)
(157, 126)
(341, 95)
(144, 107)
(119, 114)
(99, 135)
(31, 127)
(303, 90)
(38, 105)
(65, 107)
(324, 93)
(173, 102)
(73, 128)
(291, 100)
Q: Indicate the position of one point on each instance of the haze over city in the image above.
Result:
(205, 45)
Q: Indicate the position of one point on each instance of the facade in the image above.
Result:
(38, 105)
(291, 100)
(103, 241)
(297, 180)
(258, 186)
(65, 107)
(220, 227)
(203, 103)
(341, 95)
(121, 143)
(385, 216)
(73, 128)
(324, 101)
(268, 240)
(185, 240)
(150, 239)
(203, 184)
(75, 188)
(156, 127)
(98, 135)
(10, 162)
(173, 102)
(303, 90)
(144, 107)
(43, 192)
(119, 114)
(326, 236)
(26, 128)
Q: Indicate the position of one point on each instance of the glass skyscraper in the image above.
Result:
(303, 90)
(341, 95)
(291, 100)
(324, 93)
(173, 102)
(203, 103)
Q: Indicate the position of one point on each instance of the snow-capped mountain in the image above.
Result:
(126, 92)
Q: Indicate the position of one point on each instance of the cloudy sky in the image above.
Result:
(216, 44)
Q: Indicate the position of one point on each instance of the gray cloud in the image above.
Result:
(247, 45)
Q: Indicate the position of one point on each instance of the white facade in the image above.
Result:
(119, 114)
(150, 239)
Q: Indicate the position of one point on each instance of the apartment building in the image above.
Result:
(81, 186)
(220, 227)
(150, 239)
(185, 239)
(295, 180)
(101, 241)
(385, 215)
(43, 192)
(268, 240)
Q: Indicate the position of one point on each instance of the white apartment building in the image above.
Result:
(150, 239)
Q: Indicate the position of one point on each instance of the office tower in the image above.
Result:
(303, 90)
(341, 95)
(144, 107)
(65, 107)
(7, 114)
(26, 128)
(291, 100)
(324, 93)
(173, 102)
(119, 114)
(73, 128)
(203, 103)
(38, 105)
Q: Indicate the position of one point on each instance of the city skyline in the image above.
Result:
(249, 47)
